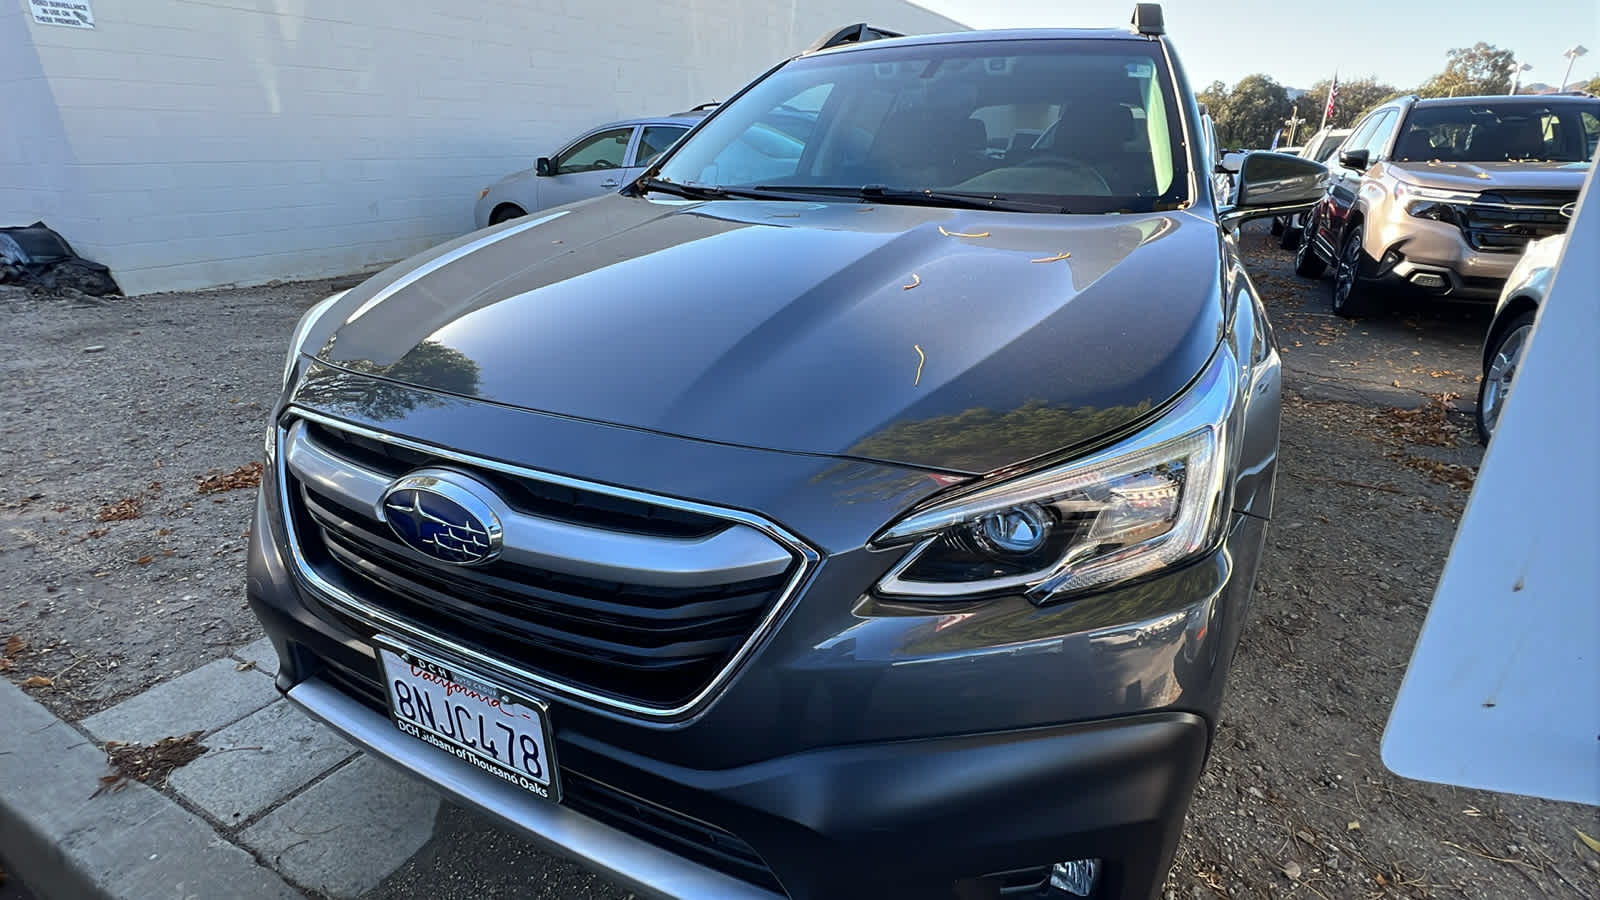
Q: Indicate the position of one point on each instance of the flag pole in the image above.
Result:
(1333, 93)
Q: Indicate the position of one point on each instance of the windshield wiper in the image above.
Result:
(910, 197)
(710, 192)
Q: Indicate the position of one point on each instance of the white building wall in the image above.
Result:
(190, 143)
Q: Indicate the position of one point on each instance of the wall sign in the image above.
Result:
(71, 13)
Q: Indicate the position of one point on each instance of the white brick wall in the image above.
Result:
(189, 143)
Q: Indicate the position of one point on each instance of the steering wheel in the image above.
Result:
(603, 164)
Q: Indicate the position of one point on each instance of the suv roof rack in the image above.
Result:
(1147, 19)
(858, 33)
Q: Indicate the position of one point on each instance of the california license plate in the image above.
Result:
(471, 718)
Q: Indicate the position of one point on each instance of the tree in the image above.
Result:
(1356, 97)
(1593, 86)
(1479, 69)
(1252, 112)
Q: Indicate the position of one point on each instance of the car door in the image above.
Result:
(1344, 183)
(592, 165)
(653, 141)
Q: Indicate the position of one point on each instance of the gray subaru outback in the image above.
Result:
(864, 502)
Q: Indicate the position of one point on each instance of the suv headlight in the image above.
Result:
(1150, 502)
(1427, 203)
(303, 328)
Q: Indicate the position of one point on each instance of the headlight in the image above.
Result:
(1153, 501)
(302, 329)
(1427, 203)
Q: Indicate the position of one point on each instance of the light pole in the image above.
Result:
(1572, 55)
(1516, 75)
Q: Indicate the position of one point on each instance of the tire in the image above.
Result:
(1350, 297)
(1277, 224)
(505, 212)
(1307, 263)
(1503, 361)
(1290, 239)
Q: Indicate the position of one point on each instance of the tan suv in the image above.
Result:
(1441, 195)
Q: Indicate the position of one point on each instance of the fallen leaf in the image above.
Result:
(1382, 881)
(915, 280)
(15, 645)
(38, 681)
(1352, 826)
(1589, 842)
(145, 560)
(126, 508)
(245, 666)
(246, 476)
(1291, 870)
(5, 664)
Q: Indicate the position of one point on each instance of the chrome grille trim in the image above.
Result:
(399, 627)
(736, 553)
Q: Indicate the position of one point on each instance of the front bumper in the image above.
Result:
(1435, 258)
(889, 817)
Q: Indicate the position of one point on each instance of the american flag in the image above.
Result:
(1333, 94)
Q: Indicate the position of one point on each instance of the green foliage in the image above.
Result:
(1480, 69)
(1593, 86)
(1356, 98)
(1249, 114)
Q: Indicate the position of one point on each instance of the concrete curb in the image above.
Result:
(65, 842)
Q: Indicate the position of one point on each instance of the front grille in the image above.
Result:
(647, 645)
(1505, 221)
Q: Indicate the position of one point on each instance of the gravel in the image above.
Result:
(116, 572)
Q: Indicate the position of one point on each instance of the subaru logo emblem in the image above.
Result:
(1570, 210)
(444, 515)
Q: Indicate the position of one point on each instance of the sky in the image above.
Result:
(1399, 41)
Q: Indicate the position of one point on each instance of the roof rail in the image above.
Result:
(1147, 19)
(858, 33)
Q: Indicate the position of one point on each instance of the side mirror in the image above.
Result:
(1231, 163)
(1360, 160)
(544, 166)
(1272, 184)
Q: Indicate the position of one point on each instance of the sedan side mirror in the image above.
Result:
(1272, 184)
(1359, 160)
(544, 166)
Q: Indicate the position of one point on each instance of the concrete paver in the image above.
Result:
(260, 652)
(346, 833)
(71, 840)
(257, 761)
(210, 697)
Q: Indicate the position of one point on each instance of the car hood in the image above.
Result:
(957, 340)
(1486, 176)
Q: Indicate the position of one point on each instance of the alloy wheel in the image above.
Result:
(1502, 370)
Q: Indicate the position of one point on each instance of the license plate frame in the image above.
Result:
(431, 680)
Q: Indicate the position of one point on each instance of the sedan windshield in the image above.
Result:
(1497, 132)
(1049, 125)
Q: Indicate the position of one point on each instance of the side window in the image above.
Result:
(597, 151)
(1591, 133)
(654, 141)
(1379, 138)
(1363, 133)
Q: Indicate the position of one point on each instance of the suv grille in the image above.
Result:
(647, 645)
(1505, 221)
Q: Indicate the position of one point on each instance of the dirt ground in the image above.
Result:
(117, 571)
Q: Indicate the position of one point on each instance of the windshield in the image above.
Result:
(1323, 150)
(1497, 132)
(1079, 125)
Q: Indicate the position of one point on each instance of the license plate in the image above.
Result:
(471, 718)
